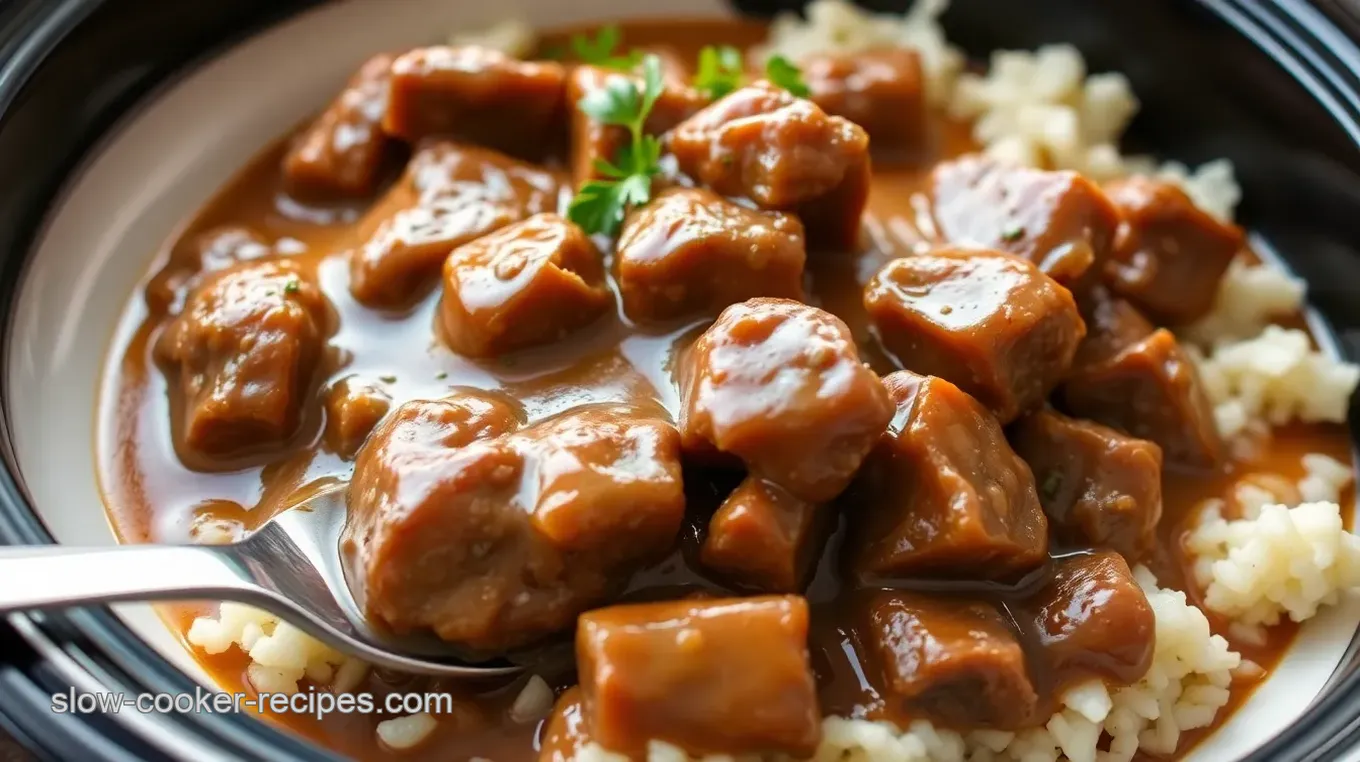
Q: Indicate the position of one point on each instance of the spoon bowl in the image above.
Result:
(291, 567)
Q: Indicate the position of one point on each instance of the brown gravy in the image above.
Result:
(152, 497)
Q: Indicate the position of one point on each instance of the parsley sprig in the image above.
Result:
(599, 50)
(600, 205)
(782, 72)
(720, 71)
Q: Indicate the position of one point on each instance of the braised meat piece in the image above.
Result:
(479, 95)
(764, 538)
(565, 733)
(245, 350)
(341, 153)
(1096, 485)
(691, 252)
(527, 284)
(1169, 255)
(223, 247)
(353, 408)
(1112, 324)
(1060, 221)
(989, 322)
(495, 539)
(592, 141)
(1093, 616)
(948, 495)
(450, 195)
(725, 676)
(1150, 390)
(952, 659)
(881, 90)
(784, 153)
(780, 385)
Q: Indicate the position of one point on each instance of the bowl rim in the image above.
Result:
(92, 649)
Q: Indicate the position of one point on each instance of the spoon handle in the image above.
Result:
(52, 577)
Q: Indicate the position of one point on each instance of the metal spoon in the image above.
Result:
(290, 567)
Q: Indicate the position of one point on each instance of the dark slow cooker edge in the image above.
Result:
(115, 53)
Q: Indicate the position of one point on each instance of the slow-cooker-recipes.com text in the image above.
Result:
(204, 700)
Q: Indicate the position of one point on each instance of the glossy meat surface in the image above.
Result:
(783, 153)
(881, 90)
(670, 671)
(949, 497)
(764, 538)
(341, 153)
(780, 385)
(528, 284)
(691, 252)
(991, 323)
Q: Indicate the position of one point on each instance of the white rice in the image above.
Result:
(1249, 297)
(281, 655)
(513, 36)
(406, 732)
(1184, 689)
(1276, 376)
(838, 26)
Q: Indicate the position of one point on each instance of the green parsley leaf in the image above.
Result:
(292, 286)
(720, 71)
(599, 206)
(600, 50)
(781, 71)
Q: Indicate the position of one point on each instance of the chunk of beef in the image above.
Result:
(197, 258)
(245, 349)
(992, 323)
(341, 153)
(881, 90)
(592, 141)
(1150, 390)
(784, 153)
(726, 676)
(954, 660)
(1169, 255)
(526, 284)
(353, 408)
(764, 538)
(1060, 221)
(780, 385)
(479, 95)
(450, 195)
(495, 539)
(1096, 485)
(691, 251)
(1093, 617)
(949, 496)
(566, 731)
(1112, 325)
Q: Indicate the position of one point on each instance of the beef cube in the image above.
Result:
(949, 496)
(724, 676)
(479, 95)
(1112, 325)
(989, 322)
(1060, 221)
(495, 538)
(1149, 390)
(764, 538)
(449, 196)
(592, 141)
(524, 285)
(341, 153)
(1169, 255)
(566, 732)
(954, 660)
(245, 349)
(692, 252)
(784, 153)
(1097, 486)
(780, 385)
(353, 408)
(226, 246)
(603, 477)
(193, 260)
(1093, 616)
(881, 90)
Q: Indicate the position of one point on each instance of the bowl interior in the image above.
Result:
(167, 160)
